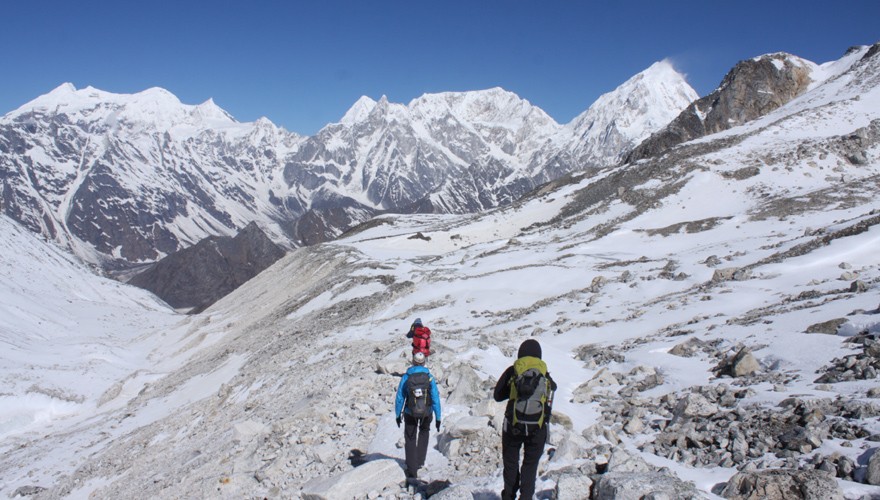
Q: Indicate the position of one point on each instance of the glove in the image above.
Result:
(438, 425)
(397, 420)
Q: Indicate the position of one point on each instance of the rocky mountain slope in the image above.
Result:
(710, 316)
(124, 180)
(195, 277)
(750, 90)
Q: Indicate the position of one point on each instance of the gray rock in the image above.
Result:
(634, 426)
(569, 446)
(466, 426)
(848, 276)
(781, 484)
(26, 491)
(731, 274)
(455, 492)
(623, 461)
(827, 327)
(687, 348)
(573, 487)
(642, 486)
(376, 475)
(845, 468)
(741, 364)
(464, 385)
(872, 476)
(694, 405)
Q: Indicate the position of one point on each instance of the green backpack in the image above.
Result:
(529, 391)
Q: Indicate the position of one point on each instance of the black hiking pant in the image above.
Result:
(416, 432)
(532, 444)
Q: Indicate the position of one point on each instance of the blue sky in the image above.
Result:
(303, 64)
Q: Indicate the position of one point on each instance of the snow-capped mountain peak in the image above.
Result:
(209, 110)
(622, 118)
(494, 107)
(359, 111)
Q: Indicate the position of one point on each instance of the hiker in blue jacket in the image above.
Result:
(417, 401)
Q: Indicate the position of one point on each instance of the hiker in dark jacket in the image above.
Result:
(417, 409)
(516, 434)
(421, 337)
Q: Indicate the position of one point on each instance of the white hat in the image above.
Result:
(419, 358)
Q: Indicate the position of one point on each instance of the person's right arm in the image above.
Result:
(401, 396)
(502, 388)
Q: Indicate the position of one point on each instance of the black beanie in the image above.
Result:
(529, 347)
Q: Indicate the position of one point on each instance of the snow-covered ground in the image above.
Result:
(108, 393)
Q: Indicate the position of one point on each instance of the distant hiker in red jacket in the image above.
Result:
(421, 337)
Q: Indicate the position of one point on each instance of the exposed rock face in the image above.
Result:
(197, 276)
(753, 88)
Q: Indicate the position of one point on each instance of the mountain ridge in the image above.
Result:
(124, 180)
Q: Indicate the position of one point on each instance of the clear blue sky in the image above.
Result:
(302, 64)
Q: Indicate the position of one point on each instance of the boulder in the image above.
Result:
(731, 274)
(694, 405)
(464, 385)
(827, 327)
(466, 426)
(687, 348)
(779, 484)
(603, 378)
(643, 485)
(741, 364)
(872, 476)
(449, 441)
(371, 476)
(573, 487)
(569, 445)
(491, 409)
(623, 461)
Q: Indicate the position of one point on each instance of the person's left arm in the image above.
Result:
(435, 399)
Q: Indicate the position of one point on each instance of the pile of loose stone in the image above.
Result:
(864, 365)
(707, 426)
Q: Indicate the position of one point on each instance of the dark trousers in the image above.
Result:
(416, 432)
(532, 444)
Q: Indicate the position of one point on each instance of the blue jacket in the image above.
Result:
(400, 403)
